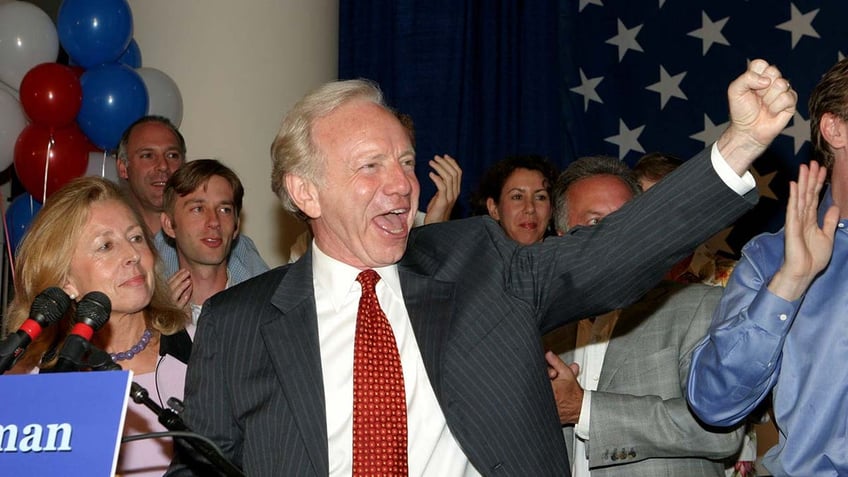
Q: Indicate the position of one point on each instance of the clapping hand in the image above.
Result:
(807, 246)
(447, 175)
(180, 285)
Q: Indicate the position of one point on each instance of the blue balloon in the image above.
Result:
(131, 57)
(94, 31)
(18, 217)
(113, 97)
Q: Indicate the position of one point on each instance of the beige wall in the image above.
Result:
(239, 66)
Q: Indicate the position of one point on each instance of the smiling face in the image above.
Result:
(524, 206)
(112, 256)
(363, 207)
(204, 223)
(153, 154)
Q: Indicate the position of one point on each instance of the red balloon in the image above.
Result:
(68, 158)
(51, 95)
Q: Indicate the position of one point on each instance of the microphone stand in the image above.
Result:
(172, 421)
(78, 358)
(98, 360)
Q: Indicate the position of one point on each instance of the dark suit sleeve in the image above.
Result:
(589, 271)
(609, 266)
(207, 406)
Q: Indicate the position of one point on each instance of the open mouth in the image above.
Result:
(159, 182)
(212, 242)
(393, 222)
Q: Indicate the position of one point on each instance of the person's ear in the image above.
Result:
(121, 166)
(167, 225)
(238, 227)
(71, 289)
(304, 194)
(493, 208)
(834, 131)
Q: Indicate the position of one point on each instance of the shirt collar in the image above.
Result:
(826, 202)
(336, 279)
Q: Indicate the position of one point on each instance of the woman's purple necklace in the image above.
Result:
(137, 348)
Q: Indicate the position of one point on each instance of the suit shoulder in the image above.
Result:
(676, 296)
(456, 243)
(669, 290)
(262, 285)
(672, 308)
(688, 291)
(452, 229)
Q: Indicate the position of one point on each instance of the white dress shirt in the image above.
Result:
(432, 449)
(740, 185)
(592, 340)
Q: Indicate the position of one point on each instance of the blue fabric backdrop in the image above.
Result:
(480, 78)
(580, 77)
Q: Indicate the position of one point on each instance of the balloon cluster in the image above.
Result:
(54, 117)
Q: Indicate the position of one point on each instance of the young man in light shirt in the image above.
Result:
(202, 202)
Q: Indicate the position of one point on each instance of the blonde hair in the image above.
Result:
(293, 150)
(44, 260)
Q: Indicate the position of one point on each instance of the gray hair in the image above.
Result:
(584, 168)
(293, 150)
(152, 118)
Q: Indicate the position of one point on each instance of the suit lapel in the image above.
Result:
(618, 351)
(430, 306)
(627, 341)
(292, 341)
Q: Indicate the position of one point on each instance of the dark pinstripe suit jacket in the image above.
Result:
(477, 303)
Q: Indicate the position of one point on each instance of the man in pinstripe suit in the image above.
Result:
(270, 375)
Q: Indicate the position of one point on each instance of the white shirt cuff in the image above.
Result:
(740, 185)
(582, 426)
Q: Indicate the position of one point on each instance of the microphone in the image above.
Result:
(200, 452)
(99, 360)
(47, 308)
(92, 313)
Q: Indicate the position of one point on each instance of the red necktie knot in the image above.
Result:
(368, 279)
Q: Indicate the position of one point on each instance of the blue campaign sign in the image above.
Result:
(65, 424)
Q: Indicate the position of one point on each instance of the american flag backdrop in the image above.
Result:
(651, 75)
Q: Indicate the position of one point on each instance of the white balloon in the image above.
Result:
(12, 122)
(163, 95)
(27, 38)
(101, 164)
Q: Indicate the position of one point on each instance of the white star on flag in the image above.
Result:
(627, 139)
(668, 87)
(710, 32)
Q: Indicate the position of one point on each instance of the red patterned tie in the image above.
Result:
(379, 403)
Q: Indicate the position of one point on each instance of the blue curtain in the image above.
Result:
(570, 78)
(481, 79)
